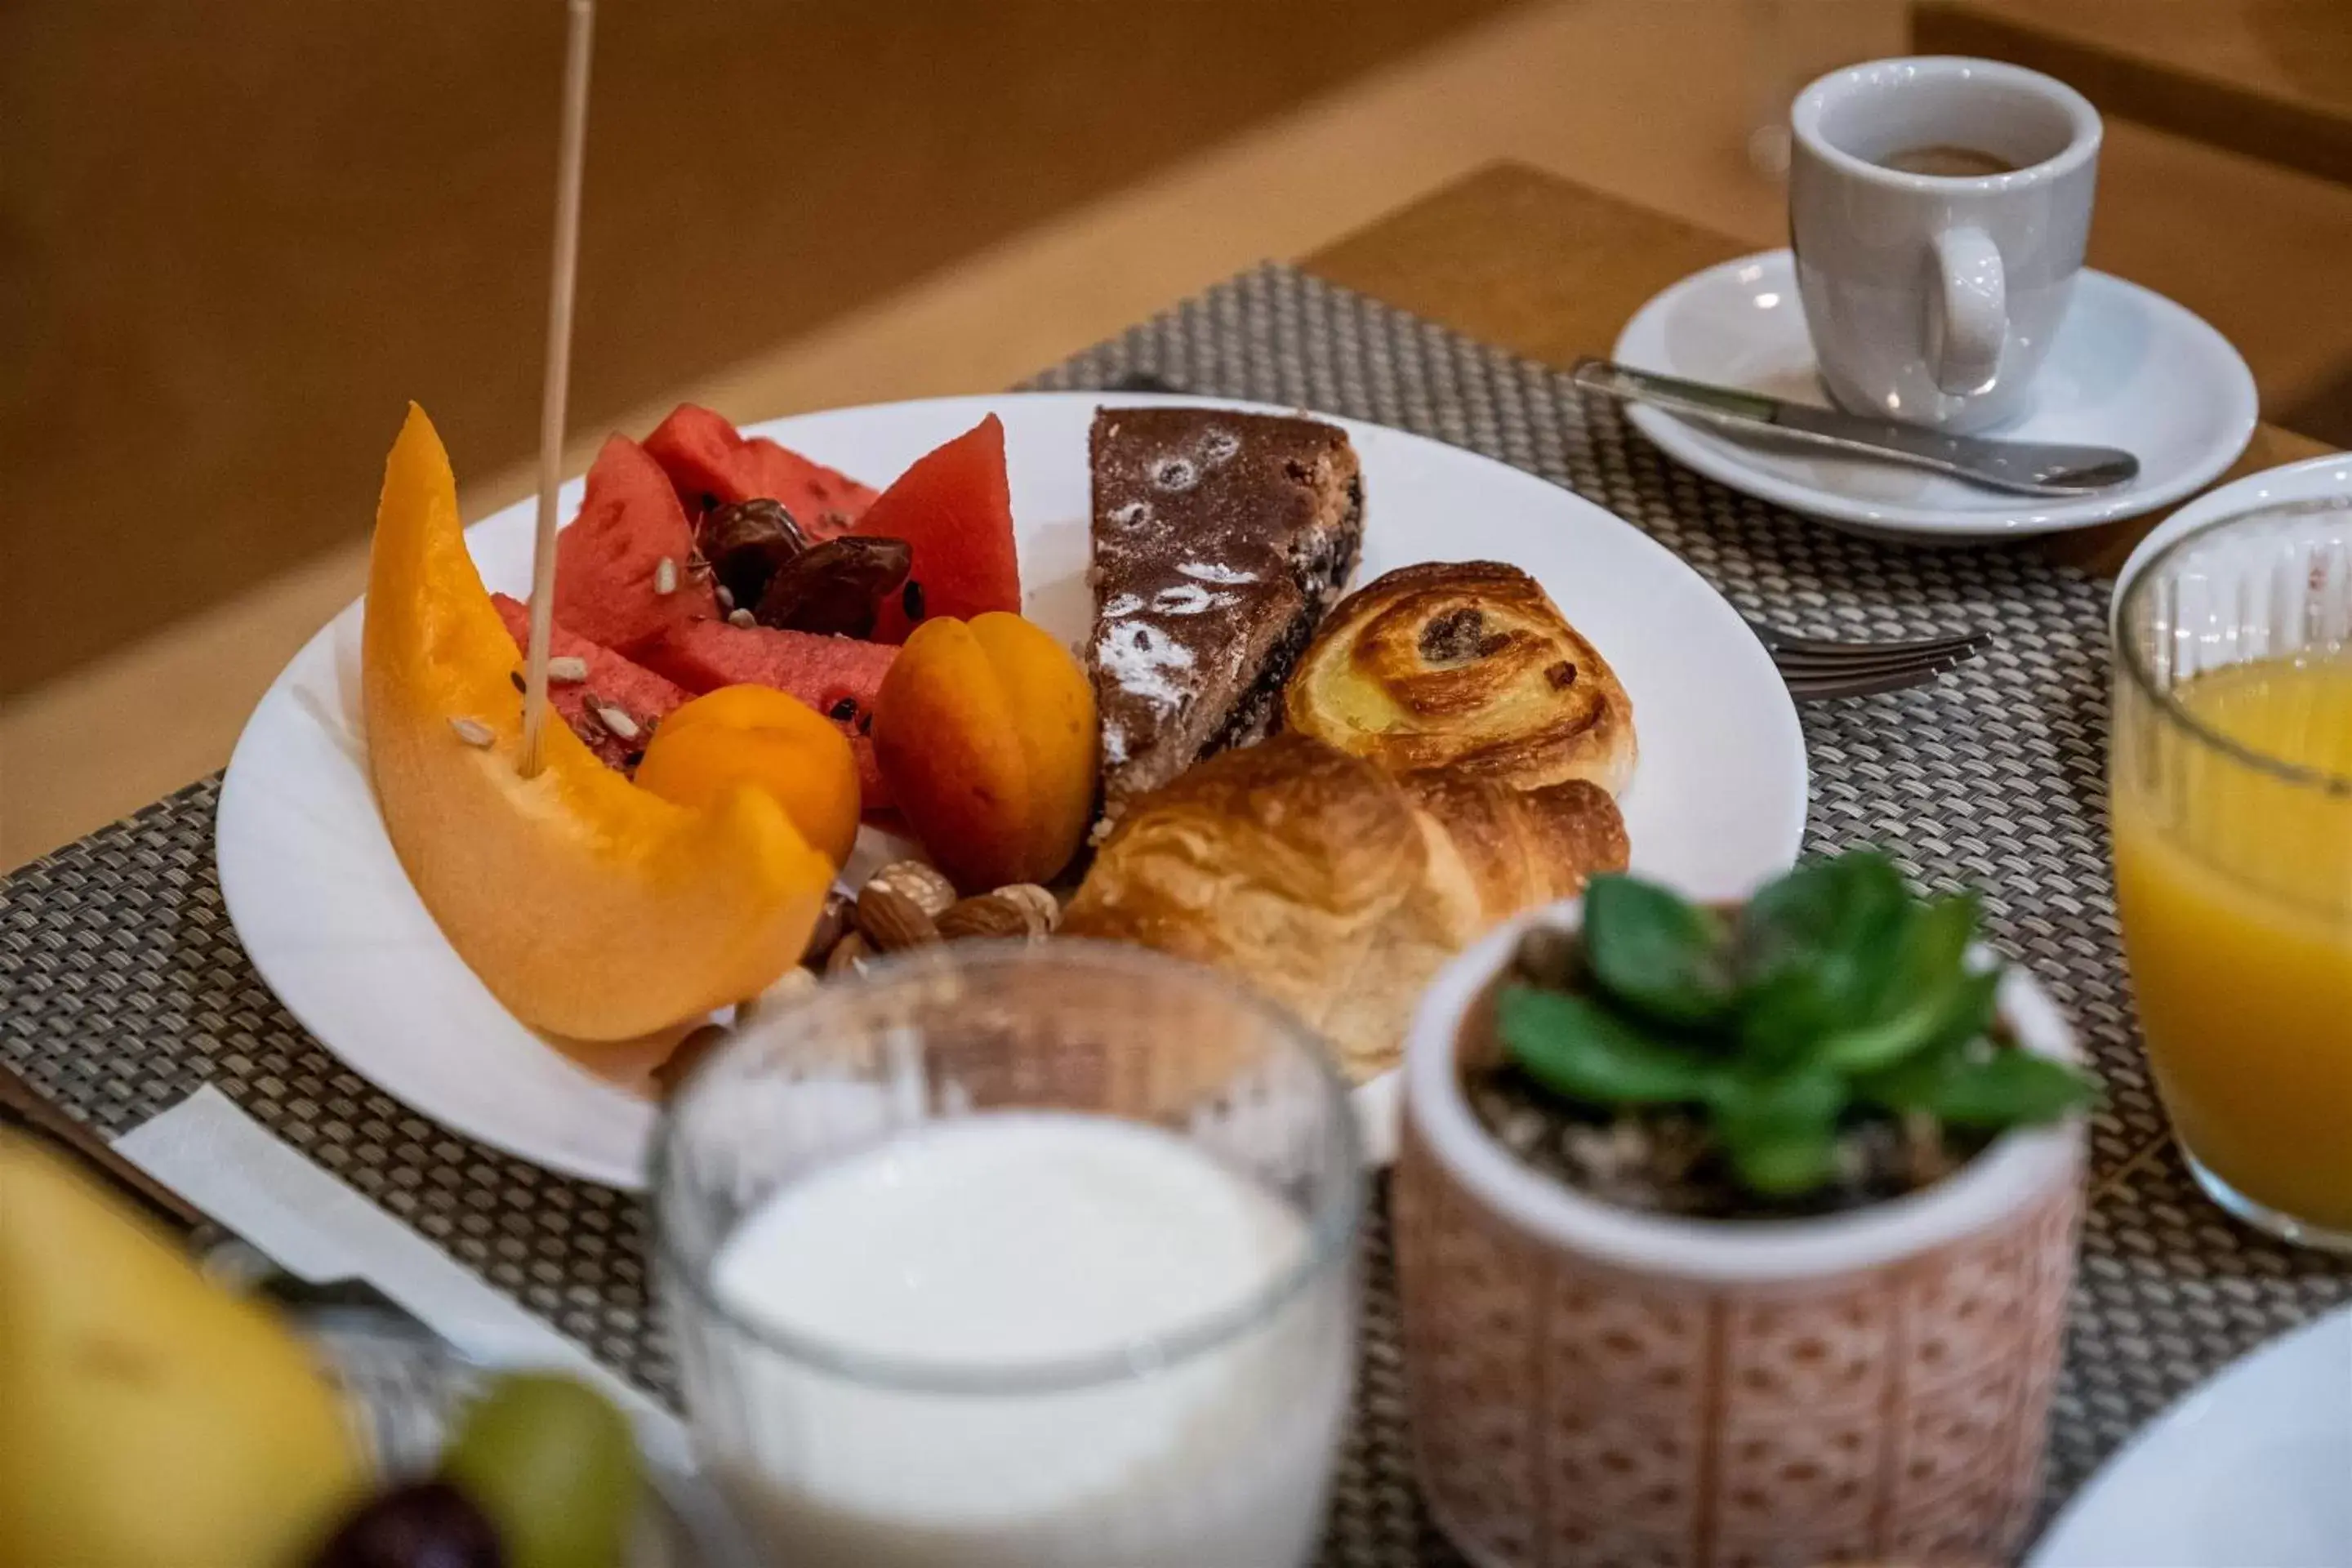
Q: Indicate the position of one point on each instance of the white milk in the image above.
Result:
(1019, 1240)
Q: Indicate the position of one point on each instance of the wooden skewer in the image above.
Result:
(574, 142)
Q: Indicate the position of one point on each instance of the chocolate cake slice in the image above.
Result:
(1220, 540)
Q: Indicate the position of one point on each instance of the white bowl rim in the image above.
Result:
(1998, 1182)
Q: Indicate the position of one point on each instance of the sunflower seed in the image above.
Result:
(666, 576)
(569, 670)
(473, 731)
(618, 720)
(740, 618)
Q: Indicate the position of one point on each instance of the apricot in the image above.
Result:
(984, 730)
(757, 735)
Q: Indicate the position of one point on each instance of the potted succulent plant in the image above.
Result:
(1737, 1236)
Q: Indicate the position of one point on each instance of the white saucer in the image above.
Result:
(2130, 369)
(2312, 479)
(2250, 1468)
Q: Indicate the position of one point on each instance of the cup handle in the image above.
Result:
(1969, 320)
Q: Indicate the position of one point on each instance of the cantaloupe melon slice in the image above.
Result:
(589, 907)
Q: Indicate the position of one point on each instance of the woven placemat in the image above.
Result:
(122, 987)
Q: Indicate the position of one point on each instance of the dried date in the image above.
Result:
(834, 587)
(747, 543)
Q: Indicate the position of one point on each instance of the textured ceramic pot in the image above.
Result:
(1597, 1388)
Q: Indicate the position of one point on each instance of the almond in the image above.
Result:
(792, 982)
(926, 885)
(849, 956)
(891, 919)
(1044, 910)
(987, 918)
(832, 923)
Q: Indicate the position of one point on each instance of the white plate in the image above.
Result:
(331, 923)
(2310, 480)
(2251, 1470)
(2130, 369)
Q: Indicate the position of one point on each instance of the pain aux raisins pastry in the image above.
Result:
(1465, 666)
(1220, 540)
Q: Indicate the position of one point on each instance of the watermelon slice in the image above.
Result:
(955, 507)
(609, 572)
(836, 676)
(711, 463)
(613, 682)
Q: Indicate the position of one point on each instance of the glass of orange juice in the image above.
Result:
(2229, 785)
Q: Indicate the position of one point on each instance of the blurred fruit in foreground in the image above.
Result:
(425, 1525)
(555, 1467)
(148, 1418)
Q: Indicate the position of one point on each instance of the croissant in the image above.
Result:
(1465, 665)
(1333, 887)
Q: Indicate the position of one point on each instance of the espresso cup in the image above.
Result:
(1932, 296)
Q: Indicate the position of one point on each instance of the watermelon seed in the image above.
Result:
(740, 618)
(911, 599)
(519, 683)
(666, 576)
(473, 731)
(845, 709)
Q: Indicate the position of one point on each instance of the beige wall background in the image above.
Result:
(236, 235)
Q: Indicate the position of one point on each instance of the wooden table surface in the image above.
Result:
(1552, 270)
(2272, 78)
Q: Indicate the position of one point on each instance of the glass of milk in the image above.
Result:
(1023, 1256)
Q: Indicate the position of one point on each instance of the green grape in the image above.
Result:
(555, 1467)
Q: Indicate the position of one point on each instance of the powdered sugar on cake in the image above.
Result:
(1190, 599)
(1143, 660)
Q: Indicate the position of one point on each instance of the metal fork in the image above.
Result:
(1816, 669)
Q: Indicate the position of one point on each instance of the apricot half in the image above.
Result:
(757, 735)
(984, 730)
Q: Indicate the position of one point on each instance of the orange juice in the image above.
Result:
(2234, 881)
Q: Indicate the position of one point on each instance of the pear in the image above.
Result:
(148, 1418)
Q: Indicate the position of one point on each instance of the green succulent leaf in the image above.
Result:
(1573, 1046)
(1819, 948)
(1780, 1132)
(2008, 1088)
(1656, 952)
(1908, 1082)
(1927, 996)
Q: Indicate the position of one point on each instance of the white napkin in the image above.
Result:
(312, 1224)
